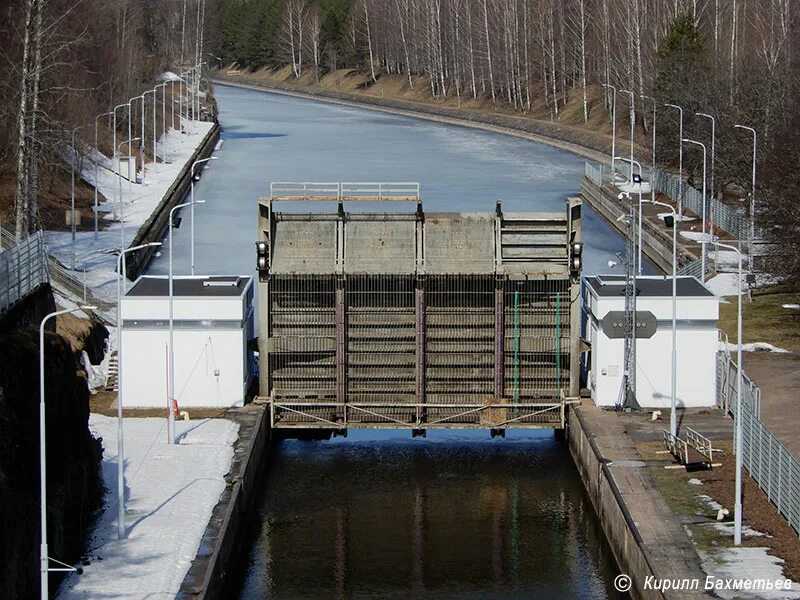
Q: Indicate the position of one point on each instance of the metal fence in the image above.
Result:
(23, 268)
(767, 460)
(723, 216)
(692, 269)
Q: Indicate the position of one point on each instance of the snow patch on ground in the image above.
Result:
(726, 284)
(791, 306)
(694, 481)
(710, 502)
(170, 490)
(752, 347)
(742, 563)
(92, 251)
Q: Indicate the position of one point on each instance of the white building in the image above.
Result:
(697, 340)
(212, 325)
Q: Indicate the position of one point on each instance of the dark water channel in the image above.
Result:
(452, 516)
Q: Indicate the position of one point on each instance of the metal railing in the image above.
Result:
(723, 216)
(692, 269)
(23, 268)
(767, 460)
(327, 191)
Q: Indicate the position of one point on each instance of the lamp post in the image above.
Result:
(673, 419)
(122, 274)
(163, 86)
(144, 136)
(44, 560)
(130, 191)
(652, 178)
(192, 203)
(613, 126)
(752, 197)
(130, 138)
(72, 191)
(713, 164)
(632, 117)
(171, 366)
(96, 162)
(702, 243)
(737, 506)
(680, 159)
(116, 164)
(639, 224)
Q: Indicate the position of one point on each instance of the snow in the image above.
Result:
(747, 563)
(694, 481)
(679, 218)
(752, 347)
(170, 490)
(726, 284)
(791, 306)
(92, 251)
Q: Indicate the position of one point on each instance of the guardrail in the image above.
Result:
(327, 191)
(726, 386)
(23, 268)
(692, 269)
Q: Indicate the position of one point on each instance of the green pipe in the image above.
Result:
(516, 350)
(558, 343)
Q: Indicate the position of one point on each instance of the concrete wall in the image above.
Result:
(618, 526)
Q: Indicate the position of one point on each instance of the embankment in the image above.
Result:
(73, 459)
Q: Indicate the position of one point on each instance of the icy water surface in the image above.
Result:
(268, 137)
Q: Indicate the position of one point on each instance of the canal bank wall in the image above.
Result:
(646, 538)
(221, 560)
(155, 227)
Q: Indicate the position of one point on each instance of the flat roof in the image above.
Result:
(188, 285)
(649, 286)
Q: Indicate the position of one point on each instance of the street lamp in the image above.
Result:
(72, 191)
(131, 138)
(673, 419)
(163, 87)
(652, 182)
(713, 163)
(613, 126)
(639, 233)
(144, 137)
(44, 560)
(116, 164)
(96, 161)
(632, 118)
(702, 244)
(122, 274)
(192, 203)
(680, 159)
(130, 189)
(752, 197)
(737, 506)
(171, 366)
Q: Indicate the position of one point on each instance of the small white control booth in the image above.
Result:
(212, 326)
(697, 340)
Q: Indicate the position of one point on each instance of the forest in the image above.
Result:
(737, 60)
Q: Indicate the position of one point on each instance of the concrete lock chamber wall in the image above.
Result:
(414, 319)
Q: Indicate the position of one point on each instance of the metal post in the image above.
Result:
(191, 198)
(680, 159)
(673, 418)
(72, 197)
(702, 242)
(97, 151)
(639, 224)
(143, 142)
(43, 558)
(632, 117)
(752, 198)
(122, 274)
(613, 126)
(171, 360)
(119, 174)
(130, 190)
(713, 164)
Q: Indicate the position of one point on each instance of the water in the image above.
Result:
(379, 514)
(268, 137)
(453, 516)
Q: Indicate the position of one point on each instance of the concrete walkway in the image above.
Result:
(669, 550)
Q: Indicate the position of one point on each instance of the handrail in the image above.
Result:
(328, 191)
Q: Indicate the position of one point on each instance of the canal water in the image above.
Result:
(377, 514)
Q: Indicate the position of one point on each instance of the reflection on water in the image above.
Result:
(452, 516)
